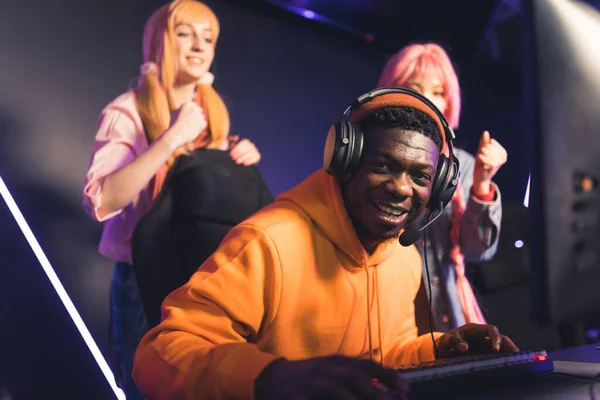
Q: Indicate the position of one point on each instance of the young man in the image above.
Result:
(312, 297)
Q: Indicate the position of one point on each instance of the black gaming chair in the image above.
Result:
(204, 196)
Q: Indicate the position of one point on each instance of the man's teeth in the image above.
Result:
(391, 211)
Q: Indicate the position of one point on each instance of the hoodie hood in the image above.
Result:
(320, 198)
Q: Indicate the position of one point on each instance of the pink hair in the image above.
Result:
(468, 301)
(420, 60)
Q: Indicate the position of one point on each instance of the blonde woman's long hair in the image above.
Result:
(155, 100)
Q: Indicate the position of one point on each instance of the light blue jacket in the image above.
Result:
(479, 234)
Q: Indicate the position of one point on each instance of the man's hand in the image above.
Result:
(334, 377)
(488, 160)
(473, 339)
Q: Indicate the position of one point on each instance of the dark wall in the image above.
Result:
(492, 101)
(287, 83)
(284, 79)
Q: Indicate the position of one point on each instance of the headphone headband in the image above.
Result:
(447, 132)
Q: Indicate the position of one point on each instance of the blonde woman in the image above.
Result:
(173, 110)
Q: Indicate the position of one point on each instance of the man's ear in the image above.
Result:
(344, 180)
(347, 178)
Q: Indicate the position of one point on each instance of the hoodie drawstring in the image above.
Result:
(370, 331)
(378, 316)
(369, 314)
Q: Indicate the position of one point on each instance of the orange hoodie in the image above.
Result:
(292, 281)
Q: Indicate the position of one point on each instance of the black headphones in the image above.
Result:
(344, 146)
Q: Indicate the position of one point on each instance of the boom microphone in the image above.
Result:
(412, 234)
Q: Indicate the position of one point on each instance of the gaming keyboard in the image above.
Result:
(468, 371)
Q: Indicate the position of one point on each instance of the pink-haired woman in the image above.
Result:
(469, 227)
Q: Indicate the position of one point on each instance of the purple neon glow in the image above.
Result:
(308, 14)
(526, 201)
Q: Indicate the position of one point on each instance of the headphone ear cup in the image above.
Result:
(357, 140)
(452, 179)
(445, 182)
(329, 153)
(338, 148)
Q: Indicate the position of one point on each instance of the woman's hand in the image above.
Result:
(187, 123)
(243, 152)
(488, 160)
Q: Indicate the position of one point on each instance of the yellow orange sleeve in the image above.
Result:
(203, 347)
(408, 347)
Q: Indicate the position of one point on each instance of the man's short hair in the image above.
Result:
(406, 118)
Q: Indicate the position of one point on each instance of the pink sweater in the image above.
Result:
(119, 140)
